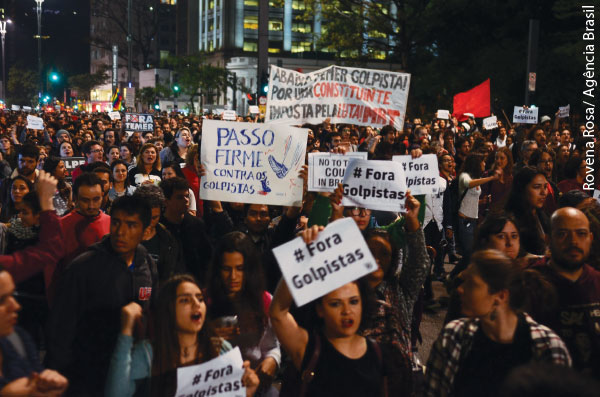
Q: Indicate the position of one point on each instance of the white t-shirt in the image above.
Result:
(469, 206)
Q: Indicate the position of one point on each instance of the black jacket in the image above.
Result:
(170, 260)
(86, 315)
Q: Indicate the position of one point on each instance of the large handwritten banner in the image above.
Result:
(344, 95)
(421, 173)
(219, 377)
(252, 162)
(374, 184)
(326, 170)
(338, 256)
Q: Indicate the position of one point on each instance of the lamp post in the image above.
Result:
(39, 37)
(3, 34)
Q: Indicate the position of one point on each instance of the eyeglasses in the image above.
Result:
(97, 151)
(356, 211)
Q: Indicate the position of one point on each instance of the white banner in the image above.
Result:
(326, 170)
(442, 114)
(219, 377)
(341, 94)
(526, 116)
(35, 123)
(421, 173)
(252, 162)
(114, 115)
(489, 123)
(375, 184)
(563, 111)
(338, 256)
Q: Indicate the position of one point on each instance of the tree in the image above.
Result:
(111, 28)
(84, 83)
(22, 85)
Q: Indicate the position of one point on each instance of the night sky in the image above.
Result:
(65, 21)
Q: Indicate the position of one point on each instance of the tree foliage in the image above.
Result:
(22, 85)
(85, 82)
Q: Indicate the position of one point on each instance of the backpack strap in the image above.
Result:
(309, 372)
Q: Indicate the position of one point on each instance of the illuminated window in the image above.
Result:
(379, 55)
(211, 4)
(349, 54)
(276, 25)
(251, 3)
(298, 5)
(250, 46)
(274, 50)
(169, 2)
(301, 46)
(301, 27)
(377, 34)
(251, 22)
(276, 3)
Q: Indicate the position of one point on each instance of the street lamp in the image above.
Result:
(3, 34)
(39, 37)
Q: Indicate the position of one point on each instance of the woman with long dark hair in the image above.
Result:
(148, 168)
(498, 189)
(181, 338)
(526, 202)
(63, 199)
(120, 186)
(239, 305)
(19, 186)
(473, 355)
(177, 150)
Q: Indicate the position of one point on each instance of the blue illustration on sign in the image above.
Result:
(280, 169)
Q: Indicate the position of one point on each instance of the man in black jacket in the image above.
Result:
(85, 317)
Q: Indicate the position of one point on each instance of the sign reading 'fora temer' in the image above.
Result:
(138, 122)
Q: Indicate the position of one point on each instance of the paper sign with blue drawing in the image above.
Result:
(252, 163)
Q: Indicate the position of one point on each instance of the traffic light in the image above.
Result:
(176, 89)
(251, 99)
(156, 106)
(54, 77)
(264, 83)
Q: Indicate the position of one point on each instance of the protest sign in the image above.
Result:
(229, 115)
(15, 107)
(254, 109)
(597, 195)
(374, 184)
(27, 108)
(563, 111)
(442, 114)
(70, 164)
(326, 170)
(526, 116)
(341, 94)
(338, 256)
(252, 163)
(35, 123)
(114, 115)
(138, 122)
(421, 173)
(219, 377)
(489, 123)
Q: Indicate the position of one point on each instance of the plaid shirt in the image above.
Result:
(455, 342)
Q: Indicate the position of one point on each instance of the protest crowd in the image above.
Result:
(117, 272)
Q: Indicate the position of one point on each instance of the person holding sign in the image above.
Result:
(149, 367)
(240, 306)
(148, 169)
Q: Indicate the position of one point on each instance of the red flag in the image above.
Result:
(476, 101)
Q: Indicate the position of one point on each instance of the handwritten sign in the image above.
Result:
(526, 116)
(16, 108)
(374, 184)
(489, 123)
(421, 173)
(443, 114)
(344, 95)
(338, 256)
(326, 170)
(219, 377)
(229, 115)
(252, 163)
(254, 109)
(35, 123)
(27, 108)
(563, 111)
(138, 122)
(114, 115)
(70, 164)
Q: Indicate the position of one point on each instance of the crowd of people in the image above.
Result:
(116, 274)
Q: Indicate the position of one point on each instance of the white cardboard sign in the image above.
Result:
(338, 256)
(35, 123)
(27, 108)
(525, 116)
(326, 170)
(252, 162)
(15, 108)
(421, 173)
(230, 115)
(563, 111)
(342, 94)
(443, 114)
(254, 109)
(114, 115)
(374, 184)
(219, 377)
(489, 123)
